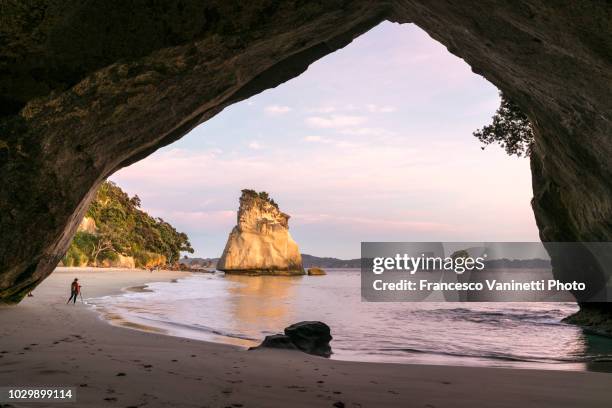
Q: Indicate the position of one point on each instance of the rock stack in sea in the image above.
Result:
(260, 243)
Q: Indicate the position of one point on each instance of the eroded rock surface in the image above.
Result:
(311, 337)
(260, 243)
(594, 318)
(278, 341)
(87, 88)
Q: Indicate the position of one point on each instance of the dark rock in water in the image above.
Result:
(593, 319)
(279, 341)
(311, 337)
(316, 272)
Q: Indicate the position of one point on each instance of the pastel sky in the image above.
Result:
(372, 143)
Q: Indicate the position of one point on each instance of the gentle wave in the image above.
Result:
(507, 357)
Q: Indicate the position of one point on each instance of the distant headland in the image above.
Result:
(308, 261)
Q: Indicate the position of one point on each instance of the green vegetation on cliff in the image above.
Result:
(122, 230)
(510, 128)
(247, 192)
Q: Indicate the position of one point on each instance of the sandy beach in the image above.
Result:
(46, 342)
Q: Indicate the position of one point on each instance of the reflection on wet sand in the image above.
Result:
(261, 302)
(118, 320)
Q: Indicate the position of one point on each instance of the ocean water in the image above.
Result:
(241, 310)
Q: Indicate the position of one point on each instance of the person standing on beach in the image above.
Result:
(75, 289)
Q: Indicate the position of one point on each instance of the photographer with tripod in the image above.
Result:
(75, 291)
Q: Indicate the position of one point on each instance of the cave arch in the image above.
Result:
(89, 88)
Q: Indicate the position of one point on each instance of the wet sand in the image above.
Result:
(46, 342)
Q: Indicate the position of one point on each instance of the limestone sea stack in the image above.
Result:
(260, 243)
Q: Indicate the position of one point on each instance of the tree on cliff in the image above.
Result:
(510, 128)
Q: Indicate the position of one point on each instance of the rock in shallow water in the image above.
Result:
(309, 337)
(316, 272)
(593, 319)
(279, 341)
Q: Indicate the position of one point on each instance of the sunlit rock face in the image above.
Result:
(87, 88)
(260, 243)
(88, 225)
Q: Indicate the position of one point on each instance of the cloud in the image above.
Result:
(367, 131)
(380, 109)
(255, 145)
(203, 219)
(276, 110)
(316, 139)
(342, 144)
(335, 121)
(373, 222)
(322, 109)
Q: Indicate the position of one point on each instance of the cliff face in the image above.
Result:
(260, 243)
(74, 108)
(87, 225)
